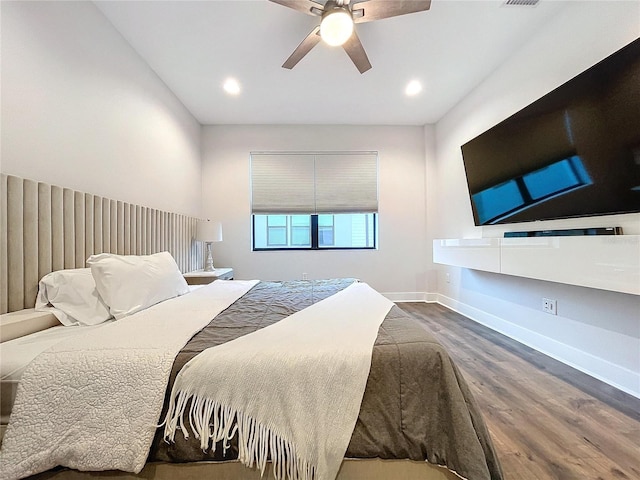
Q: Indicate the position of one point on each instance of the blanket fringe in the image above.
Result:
(212, 422)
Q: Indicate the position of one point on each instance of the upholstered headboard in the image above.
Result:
(45, 228)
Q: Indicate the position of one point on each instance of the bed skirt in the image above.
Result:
(351, 469)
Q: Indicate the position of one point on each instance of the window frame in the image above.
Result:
(314, 236)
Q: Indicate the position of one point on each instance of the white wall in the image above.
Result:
(397, 266)
(596, 331)
(81, 109)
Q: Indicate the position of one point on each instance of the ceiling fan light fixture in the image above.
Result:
(336, 26)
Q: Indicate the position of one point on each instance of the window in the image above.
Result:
(314, 200)
(277, 230)
(300, 230)
(352, 231)
(325, 231)
(314, 232)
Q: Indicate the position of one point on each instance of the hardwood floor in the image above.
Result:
(547, 420)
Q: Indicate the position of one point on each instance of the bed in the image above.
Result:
(438, 421)
(415, 407)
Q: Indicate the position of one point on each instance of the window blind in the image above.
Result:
(282, 184)
(315, 183)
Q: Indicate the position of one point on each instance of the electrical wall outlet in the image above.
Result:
(549, 306)
(305, 276)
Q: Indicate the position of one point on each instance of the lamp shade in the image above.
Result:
(208, 231)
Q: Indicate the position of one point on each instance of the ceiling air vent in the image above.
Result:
(526, 3)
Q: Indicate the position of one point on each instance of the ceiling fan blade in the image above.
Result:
(305, 47)
(310, 7)
(356, 52)
(370, 10)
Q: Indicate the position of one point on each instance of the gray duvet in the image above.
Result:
(416, 404)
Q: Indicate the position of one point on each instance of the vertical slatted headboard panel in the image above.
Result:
(45, 228)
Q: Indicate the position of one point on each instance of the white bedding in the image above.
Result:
(94, 404)
(16, 354)
(320, 357)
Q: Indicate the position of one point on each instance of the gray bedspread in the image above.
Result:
(416, 404)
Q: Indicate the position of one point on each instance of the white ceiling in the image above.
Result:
(193, 46)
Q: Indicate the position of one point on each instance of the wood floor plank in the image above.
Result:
(547, 420)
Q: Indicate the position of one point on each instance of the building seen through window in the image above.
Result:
(354, 230)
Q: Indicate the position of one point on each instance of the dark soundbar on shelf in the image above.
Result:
(569, 232)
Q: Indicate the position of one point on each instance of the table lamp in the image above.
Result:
(209, 232)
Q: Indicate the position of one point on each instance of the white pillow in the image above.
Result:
(130, 283)
(71, 295)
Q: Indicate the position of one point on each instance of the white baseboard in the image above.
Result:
(612, 374)
(400, 297)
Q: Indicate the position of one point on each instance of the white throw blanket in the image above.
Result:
(93, 403)
(294, 387)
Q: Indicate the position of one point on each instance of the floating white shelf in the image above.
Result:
(604, 262)
(477, 253)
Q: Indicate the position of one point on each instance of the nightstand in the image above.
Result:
(200, 277)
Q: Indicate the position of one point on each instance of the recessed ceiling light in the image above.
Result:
(231, 86)
(413, 88)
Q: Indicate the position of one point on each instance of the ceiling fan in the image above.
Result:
(338, 18)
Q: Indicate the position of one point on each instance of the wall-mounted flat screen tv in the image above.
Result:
(574, 152)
